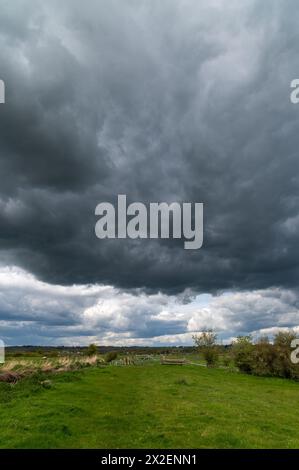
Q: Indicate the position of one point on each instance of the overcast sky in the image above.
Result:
(180, 100)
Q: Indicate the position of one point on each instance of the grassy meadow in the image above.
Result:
(147, 405)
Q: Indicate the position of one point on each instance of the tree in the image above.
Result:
(92, 350)
(206, 344)
(243, 353)
(283, 366)
(263, 357)
(283, 339)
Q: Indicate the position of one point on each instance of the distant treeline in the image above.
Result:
(17, 351)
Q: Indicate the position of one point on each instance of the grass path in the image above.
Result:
(150, 406)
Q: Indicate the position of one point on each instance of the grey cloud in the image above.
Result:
(249, 312)
(34, 312)
(45, 312)
(172, 101)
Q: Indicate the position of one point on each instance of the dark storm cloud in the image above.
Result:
(162, 101)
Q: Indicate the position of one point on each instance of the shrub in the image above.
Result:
(282, 365)
(243, 354)
(283, 339)
(206, 344)
(110, 356)
(263, 357)
(226, 360)
(92, 350)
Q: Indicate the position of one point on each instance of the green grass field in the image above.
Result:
(150, 406)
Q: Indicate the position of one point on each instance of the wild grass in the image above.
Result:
(148, 406)
(16, 369)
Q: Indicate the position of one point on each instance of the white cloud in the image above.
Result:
(34, 312)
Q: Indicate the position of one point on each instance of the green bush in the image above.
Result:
(263, 357)
(92, 350)
(283, 366)
(206, 344)
(226, 360)
(110, 356)
(243, 354)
